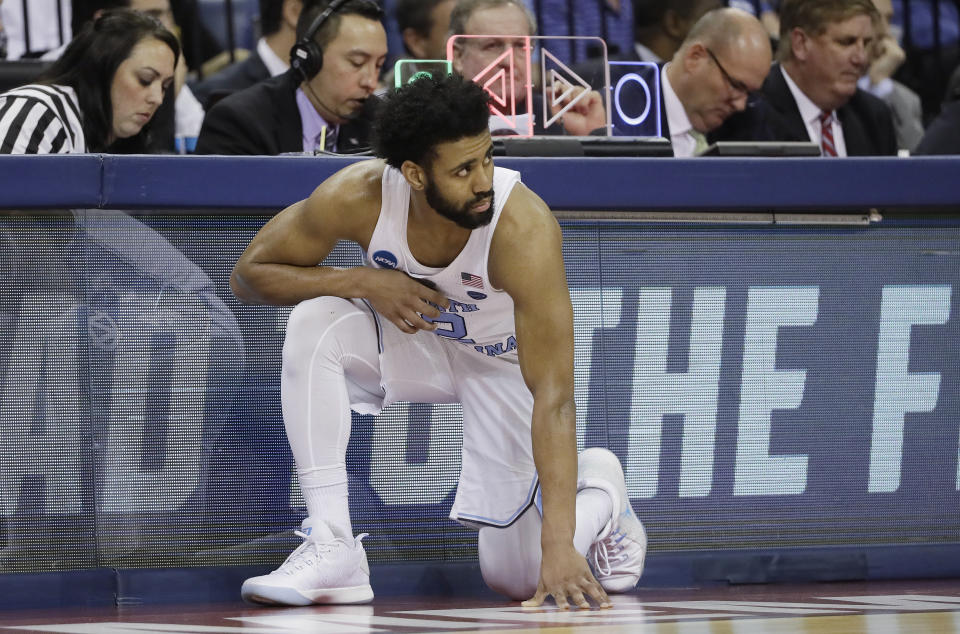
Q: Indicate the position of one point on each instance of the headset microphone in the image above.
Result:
(306, 56)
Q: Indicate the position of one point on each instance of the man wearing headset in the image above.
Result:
(324, 103)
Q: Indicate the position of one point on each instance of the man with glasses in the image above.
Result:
(812, 94)
(724, 59)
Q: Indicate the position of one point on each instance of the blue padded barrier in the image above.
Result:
(564, 183)
(245, 182)
(50, 181)
(164, 182)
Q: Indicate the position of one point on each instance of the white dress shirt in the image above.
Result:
(274, 63)
(645, 54)
(810, 113)
(679, 123)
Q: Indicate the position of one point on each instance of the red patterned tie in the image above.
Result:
(827, 146)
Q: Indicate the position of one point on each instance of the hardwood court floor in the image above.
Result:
(871, 608)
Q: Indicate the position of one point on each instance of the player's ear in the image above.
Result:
(416, 176)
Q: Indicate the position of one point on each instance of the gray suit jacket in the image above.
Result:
(907, 116)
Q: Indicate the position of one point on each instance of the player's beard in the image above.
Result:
(461, 215)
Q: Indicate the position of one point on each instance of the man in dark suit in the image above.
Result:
(812, 94)
(278, 24)
(306, 109)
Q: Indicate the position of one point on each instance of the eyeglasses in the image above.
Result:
(736, 84)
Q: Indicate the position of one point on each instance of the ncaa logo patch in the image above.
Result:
(385, 259)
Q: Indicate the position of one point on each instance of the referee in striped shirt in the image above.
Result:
(100, 96)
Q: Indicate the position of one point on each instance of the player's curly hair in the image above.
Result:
(425, 112)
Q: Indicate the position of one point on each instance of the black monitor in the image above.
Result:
(762, 148)
(546, 145)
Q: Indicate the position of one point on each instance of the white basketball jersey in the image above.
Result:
(479, 316)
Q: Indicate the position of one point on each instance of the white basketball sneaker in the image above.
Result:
(323, 569)
(618, 553)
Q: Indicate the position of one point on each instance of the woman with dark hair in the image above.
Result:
(100, 96)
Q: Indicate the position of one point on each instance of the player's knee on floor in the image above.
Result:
(508, 583)
(509, 561)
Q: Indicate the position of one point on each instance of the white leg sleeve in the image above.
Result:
(510, 557)
(330, 354)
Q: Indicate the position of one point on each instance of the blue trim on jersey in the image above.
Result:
(532, 495)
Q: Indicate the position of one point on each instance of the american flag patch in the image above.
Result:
(469, 279)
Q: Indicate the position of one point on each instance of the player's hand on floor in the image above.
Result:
(402, 299)
(567, 578)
